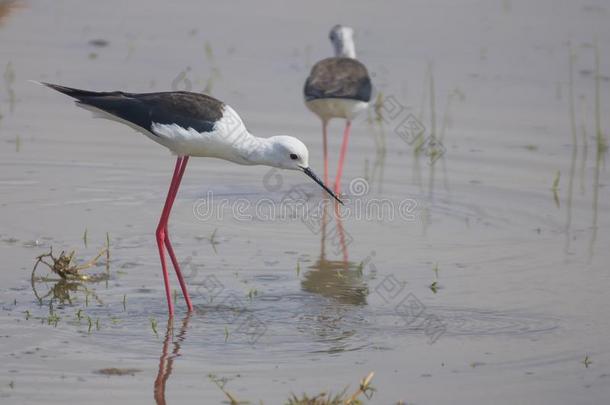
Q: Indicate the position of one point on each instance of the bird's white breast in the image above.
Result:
(327, 108)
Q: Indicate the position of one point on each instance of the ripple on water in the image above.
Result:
(481, 322)
(285, 327)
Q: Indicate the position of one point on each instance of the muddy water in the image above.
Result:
(480, 281)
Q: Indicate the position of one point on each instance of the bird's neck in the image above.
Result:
(256, 150)
(345, 49)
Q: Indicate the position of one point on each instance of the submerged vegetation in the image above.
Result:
(555, 187)
(153, 326)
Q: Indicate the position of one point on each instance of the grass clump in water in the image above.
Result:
(324, 398)
(114, 371)
(64, 267)
(364, 389)
(71, 278)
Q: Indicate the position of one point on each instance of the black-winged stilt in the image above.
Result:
(192, 124)
(338, 87)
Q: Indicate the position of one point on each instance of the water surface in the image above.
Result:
(493, 288)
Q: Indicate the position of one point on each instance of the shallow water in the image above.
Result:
(291, 305)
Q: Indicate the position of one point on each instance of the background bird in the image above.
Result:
(192, 124)
(338, 87)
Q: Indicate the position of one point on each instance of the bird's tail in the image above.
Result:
(112, 103)
(76, 93)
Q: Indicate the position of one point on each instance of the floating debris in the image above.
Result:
(100, 43)
(117, 371)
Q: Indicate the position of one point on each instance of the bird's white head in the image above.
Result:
(342, 38)
(287, 152)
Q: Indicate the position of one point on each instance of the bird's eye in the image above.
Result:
(293, 156)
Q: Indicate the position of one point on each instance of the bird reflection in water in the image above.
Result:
(340, 280)
(166, 361)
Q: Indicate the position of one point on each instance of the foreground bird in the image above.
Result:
(192, 124)
(338, 87)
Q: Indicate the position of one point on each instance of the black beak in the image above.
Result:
(315, 178)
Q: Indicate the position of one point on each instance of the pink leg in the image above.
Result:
(161, 233)
(348, 125)
(324, 138)
(168, 244)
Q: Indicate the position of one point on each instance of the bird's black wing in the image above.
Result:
(338, 77)
(188, 110)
